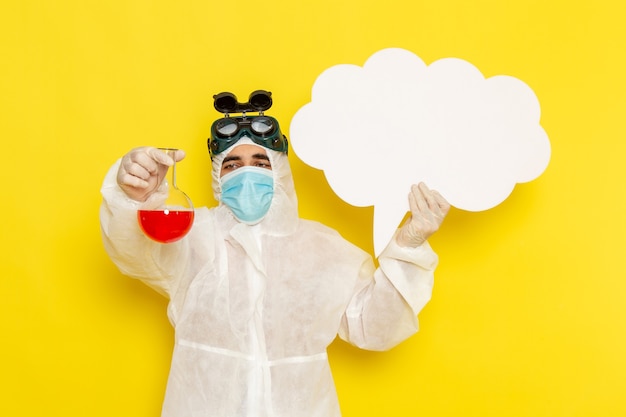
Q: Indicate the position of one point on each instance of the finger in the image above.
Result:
(160, 157)
(429, 196)
(133, 181)
(412, 202)
(166, 157)
(143, 158)
(139, 171)
(179, 155)
(441, 201)
(420, 201)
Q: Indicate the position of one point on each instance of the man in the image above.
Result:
(256, 293)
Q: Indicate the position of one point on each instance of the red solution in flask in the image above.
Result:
(165, 226)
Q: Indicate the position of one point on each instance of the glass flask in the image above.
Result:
(173, 217)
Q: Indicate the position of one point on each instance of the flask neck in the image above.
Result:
(170, 176)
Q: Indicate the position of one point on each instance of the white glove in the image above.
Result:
(428, 209)
(143, 169)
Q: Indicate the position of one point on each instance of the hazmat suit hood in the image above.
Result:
(282, 216)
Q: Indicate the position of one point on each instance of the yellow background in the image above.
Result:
(529, 312)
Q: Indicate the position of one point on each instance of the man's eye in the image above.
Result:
(229, 167)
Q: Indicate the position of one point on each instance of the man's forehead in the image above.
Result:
(248, 150)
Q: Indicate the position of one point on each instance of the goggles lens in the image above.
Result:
(261, 125)
(226, 127)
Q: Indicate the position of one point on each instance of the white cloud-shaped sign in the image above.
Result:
(377, 129)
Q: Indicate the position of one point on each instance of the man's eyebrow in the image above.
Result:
(229, 158)
(261, 156)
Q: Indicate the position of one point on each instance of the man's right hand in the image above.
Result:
(143, 169)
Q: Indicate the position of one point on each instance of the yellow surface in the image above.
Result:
(528, 316)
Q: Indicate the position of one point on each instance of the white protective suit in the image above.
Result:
(255, 307)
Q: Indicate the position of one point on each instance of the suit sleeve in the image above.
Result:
(383, 310)
(157, 265)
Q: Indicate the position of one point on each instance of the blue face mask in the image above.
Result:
(248, 192)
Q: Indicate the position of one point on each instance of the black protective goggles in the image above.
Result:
(261, 129)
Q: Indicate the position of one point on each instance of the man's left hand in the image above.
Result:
(428, 209)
